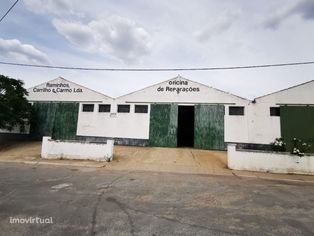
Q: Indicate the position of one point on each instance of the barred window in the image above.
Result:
(123, 108)
(104, 108)
(236, 111)
(141, 108)
(88, 107)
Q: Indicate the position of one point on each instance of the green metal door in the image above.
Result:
(58, 120)
(297, 122)
(43, 115)
(209, 127)
(163, 125)
(65, 122)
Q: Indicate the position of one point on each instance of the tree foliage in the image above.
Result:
(14, 107)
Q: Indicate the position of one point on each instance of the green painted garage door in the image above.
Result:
(58, 120)
(163, 125)
(209, 127)
(65, 123)
(297, 122)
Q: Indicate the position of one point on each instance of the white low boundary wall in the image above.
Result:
(52, 149)
(269, 161)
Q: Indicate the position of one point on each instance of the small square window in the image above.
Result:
(123, 108)
(104, 108)
(88, 107)
(236, 111)
(141, 108)
(274, 111)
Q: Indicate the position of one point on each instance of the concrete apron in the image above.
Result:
(182, 160)
(126, 158)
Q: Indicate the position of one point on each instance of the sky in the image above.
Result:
(160, 34)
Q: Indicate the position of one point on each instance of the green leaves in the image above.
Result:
(14, 107)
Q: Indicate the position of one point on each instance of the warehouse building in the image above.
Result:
(175, 113)
(288, 113)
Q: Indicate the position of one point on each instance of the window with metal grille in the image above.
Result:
(236, 111)
(104, 108)
(123, 108)
(274, 111)
(141, 108)
(88, 107)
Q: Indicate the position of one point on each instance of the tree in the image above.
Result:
(14, 108)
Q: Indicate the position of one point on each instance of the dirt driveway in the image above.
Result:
(185, 160)
(181, 160)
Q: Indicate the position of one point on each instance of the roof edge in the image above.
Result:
(60, 77)
(180, 77)
(281, 90)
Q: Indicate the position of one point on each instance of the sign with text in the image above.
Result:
(57, 88)
(178, 86)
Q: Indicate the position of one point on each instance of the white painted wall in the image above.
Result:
(269, 161)
(121, 125)
(52, 149)
(256, 126)
(262, 127)
(236, 127)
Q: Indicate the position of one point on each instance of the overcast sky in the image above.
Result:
(160, 34)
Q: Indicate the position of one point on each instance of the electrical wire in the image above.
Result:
(9, 10)
(158, 69)
(148, 69)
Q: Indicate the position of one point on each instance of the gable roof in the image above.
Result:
(66, 80)
(285, 90)
(182, 78)
(53, 91)
(301, 94)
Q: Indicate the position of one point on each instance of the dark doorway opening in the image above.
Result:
(185, 126)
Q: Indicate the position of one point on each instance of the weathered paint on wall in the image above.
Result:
(163, 125)
(209, 127)
(297, 122)
(58, 120)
